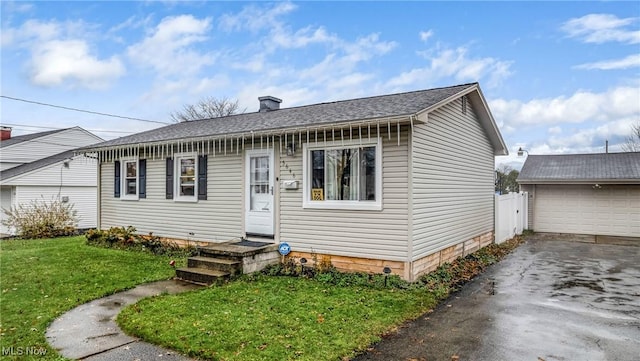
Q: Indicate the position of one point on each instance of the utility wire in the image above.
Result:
(55, 128)
(82, 110)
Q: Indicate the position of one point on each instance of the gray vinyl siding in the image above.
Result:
(453, 188)
(353, 233)
(217, 219)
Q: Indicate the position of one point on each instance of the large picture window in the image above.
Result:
(345, 175)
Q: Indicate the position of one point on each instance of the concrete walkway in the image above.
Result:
(89, 331)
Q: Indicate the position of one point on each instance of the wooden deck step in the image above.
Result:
(201, 275)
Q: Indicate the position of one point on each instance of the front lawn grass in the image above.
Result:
(41, 279)
(331, 316)
(273, 318)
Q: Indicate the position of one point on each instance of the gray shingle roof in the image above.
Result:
(40, 163)
(576, 167)
(23, 138)
(318, 114)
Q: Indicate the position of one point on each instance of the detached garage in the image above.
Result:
(595, 194)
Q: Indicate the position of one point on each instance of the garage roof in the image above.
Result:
(575, 168)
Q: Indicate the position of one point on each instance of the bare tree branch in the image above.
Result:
(632, 143)
(206, 108)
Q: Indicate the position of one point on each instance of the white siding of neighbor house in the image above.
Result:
(81, 171)
(43, 147)
(78, 182)
(217, 219)
(83, 200)
(354, 233)
(453, 180)
(5, 203)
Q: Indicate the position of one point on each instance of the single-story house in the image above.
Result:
(43, 166)
(593, 194)
(404, 181)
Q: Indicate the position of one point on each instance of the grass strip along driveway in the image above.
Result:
(41, 279)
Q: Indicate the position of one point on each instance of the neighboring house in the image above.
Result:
(594, 194)
(43, 166)
(404, 181)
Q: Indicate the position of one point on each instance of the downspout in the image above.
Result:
(410, 275)
(99, 194)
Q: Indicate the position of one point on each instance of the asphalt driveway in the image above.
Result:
(549, 300)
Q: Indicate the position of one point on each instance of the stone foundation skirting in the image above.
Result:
(429, 263)
(409, 271)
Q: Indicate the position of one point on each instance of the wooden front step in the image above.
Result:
(230, 266)
(201, 275)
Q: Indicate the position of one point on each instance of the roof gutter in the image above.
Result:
(579, 181)
(251, 135)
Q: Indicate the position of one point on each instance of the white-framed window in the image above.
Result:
(186, 177)
(343, 175)
(130, 178)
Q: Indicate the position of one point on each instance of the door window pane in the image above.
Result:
(259, 184)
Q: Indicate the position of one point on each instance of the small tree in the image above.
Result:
(205, 108)
(632, 143)
(42, 219)
(506, 180)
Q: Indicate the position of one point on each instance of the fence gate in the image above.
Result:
(511, 215)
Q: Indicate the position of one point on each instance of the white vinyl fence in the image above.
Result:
(511, 215)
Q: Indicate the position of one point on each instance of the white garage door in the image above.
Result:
(612, 210)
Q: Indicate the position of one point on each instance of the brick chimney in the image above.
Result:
(5, 133)
(269, 103)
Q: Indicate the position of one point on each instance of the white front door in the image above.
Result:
(259, 184)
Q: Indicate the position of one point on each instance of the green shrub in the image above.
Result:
(127, 238)
(42, 219)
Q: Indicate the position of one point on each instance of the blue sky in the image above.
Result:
(560, 77)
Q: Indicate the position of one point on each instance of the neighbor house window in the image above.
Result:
(345, 175)
(186, 177)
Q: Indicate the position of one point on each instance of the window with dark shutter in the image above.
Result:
(142, 178)
(116, 179)
(169, 179)
(202, 177)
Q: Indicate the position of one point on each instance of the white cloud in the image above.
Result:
(602, 28)
(168, 48)
(255, 18)
(425, 35)
(555, 130)
(55, 62)
(300, 38)
(60, 54)
(631, 61)
(582, 106)
(587, 140)
(455, 63)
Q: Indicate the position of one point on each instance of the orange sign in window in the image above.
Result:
(317, 194)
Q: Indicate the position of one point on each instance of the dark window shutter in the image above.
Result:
(142, 178)
(202, 177)
(169, 180)
(116, 179)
